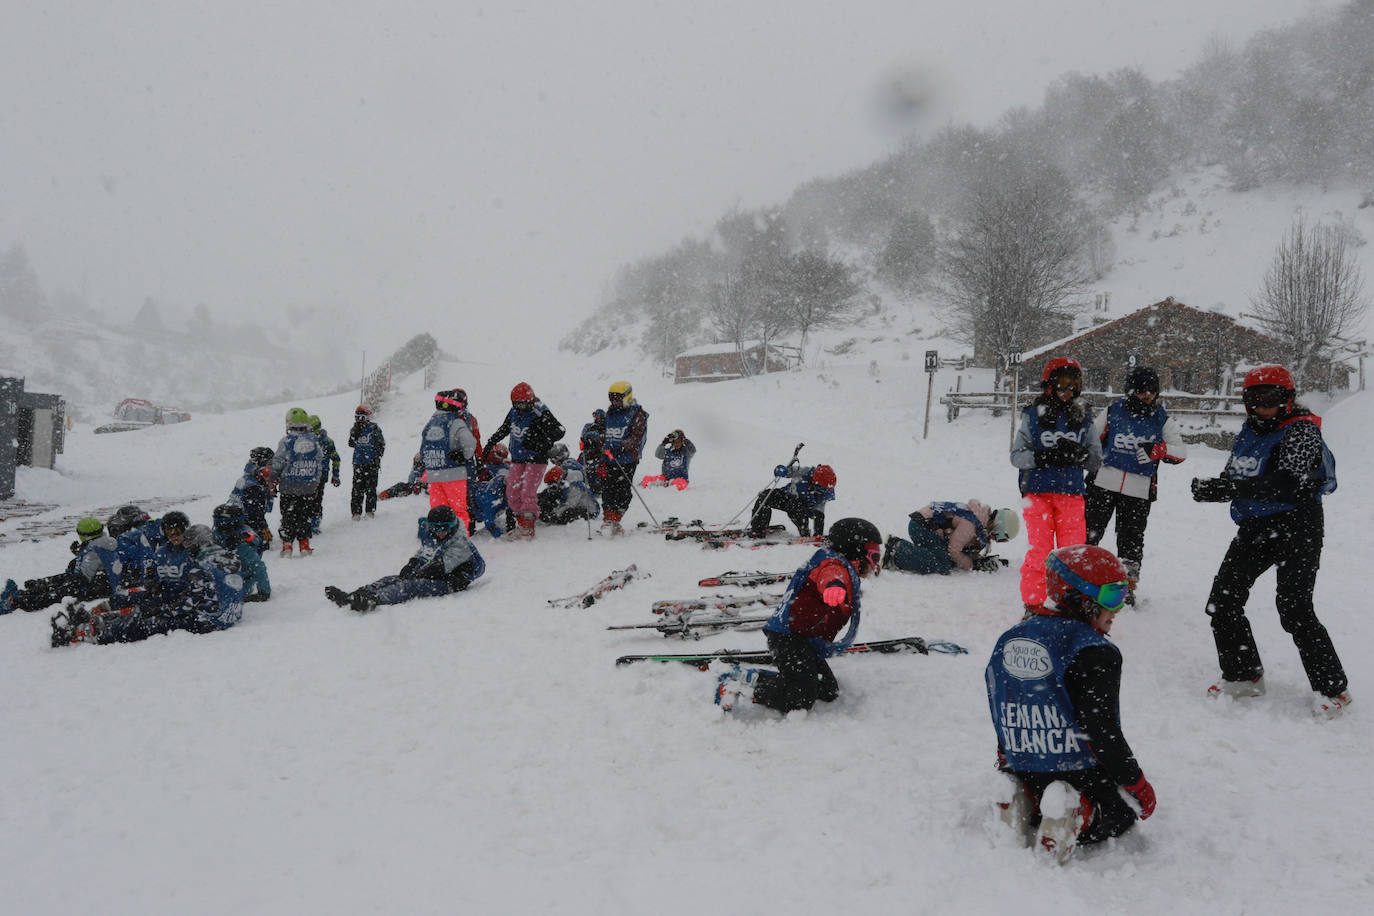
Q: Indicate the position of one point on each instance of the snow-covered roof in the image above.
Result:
(716, 348)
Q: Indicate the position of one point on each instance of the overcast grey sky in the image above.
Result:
(426, 164)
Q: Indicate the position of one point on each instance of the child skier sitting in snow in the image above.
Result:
(676, 451)
(446, 562)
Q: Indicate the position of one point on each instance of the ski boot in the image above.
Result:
(1237, 690)
(736, 687)
(9, 598)
(1331, 707)
(72, 624)
(337, 595)
(1018, 812)
(1064, 813)
(362, 601)
(285, 549)
(305, 547)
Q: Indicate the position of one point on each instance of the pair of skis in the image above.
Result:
(617, 579)
(903, 645)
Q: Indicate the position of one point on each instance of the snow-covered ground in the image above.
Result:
(482, 753)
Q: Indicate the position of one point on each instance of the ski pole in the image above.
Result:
(629, 483)
(772, 485)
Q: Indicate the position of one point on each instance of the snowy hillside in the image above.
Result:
(481, 753)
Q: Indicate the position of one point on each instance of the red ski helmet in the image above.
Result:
(1085, 573)
(823, 475)
(1062, 369)
(522, 393)
(1268, 386)
(362, 410)
(499, 452)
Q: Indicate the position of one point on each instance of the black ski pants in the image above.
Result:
(1292, 542)
(296, 512)
(363, 496)
(1132, 515)
(808, 520)
(49, 590)
(618, 487)
(803, 677)
(1112, 816)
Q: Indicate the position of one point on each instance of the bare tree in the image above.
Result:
(1313, 291)
(1017, 255)
(815, 291)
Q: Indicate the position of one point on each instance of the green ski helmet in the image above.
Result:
(296, 417)
(89, 528)
(315, 423)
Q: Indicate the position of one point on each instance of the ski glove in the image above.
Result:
(988, 564)
(1213, 489)
(553, 474)
(1159, 452)
(1144, 793)
(1057, 457)
(834, 595)
(780, 471)
(456, 456)
(334, 479)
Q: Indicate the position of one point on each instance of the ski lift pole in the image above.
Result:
(932, 364)
(1014, 360)
(772, 484)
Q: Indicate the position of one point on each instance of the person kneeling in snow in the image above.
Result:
(210, 598)
(676, 451)
(1053, 685)
(949, 535)
(446, 562)
(566, 496)
(821, 599)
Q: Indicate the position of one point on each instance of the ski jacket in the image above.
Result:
(576, 493)
(962, 526)
(446, 444)
(532, 433)
(251, 494)
(298, 465)
(804, 612)
(172, 566)
(1279, 470)
(1053, 687)
(1042, 425)
(368, 444)
(99, 557)
(676, 461)
(248, 548)
(136, 550)
(1127, 437)
(799, 484)
(212, 594)
(626, 427)
(453, 560)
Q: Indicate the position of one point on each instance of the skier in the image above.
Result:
(489, 494)
(676, 452)
(1053, 685)
(1136, 433)
(368, 444)
(252, 493)
(803, 498)
(446, 562)
(331, 454)
(135, 541)
(235, 536)
(446, 444)
(627, 424)
(211, 598)
(821, 599)
(591, 449)
(1274, 480)
(566, 496)
(94, 572)
(298, 465)
(533, 429)
(1054, 445)
(413, 484)
(951, 535)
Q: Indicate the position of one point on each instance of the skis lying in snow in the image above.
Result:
(618, 579)
(748, 579)
(680, 606)
(686, 626)
(702, 660)
(703, 534)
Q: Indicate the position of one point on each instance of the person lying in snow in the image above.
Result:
(446, 562)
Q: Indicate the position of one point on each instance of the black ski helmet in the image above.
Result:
(124, 518)
(198, 537)
(175, 521)
(441, 518)
(851, 537)
(228, 515)
(261, 456)
(1142, 378)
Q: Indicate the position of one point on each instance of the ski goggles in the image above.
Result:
(1264, 396)
(1067, 381)
(441, 529)
(1111, 596)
